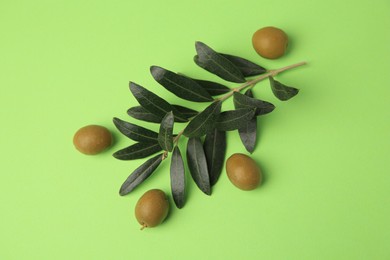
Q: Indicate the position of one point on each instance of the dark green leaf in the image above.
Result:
(243, 101)
(247, 67)
(197, 164)
(281, 91)
(217, 64)
(140, 113)
(177, 178)
(234, 119)
(204, 122)
(187, 112)
(215, 148)
(213, 88)
(140, 174)
(165, 138)
(181, 86)
(135, 132)
(154, 103)
(248, 133)
(137, 151)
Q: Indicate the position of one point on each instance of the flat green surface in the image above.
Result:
(325, 154)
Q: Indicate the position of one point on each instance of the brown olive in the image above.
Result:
(92, 139)
(270, 42)
(152, 208)
(243, 172)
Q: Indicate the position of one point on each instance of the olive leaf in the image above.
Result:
(234, 119)
(281, 91)
(135, 132)
(204, 122)
(139, 112)
(213, 88)
(246, 67)
(243, 101)
(138, 151)
(215, 149)
(140, 174)
(181, 86)
(197, 164)
(154, 103)
(177, 174)
(217, 64)
(185, 111)
(248, 133)
(165, 136)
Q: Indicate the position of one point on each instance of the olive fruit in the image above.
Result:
(152, 208)
(270, 42)
(92, 139)
(243, 171)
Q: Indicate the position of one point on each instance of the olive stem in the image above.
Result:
(165, 155)
(176, 139)
(253, 82)
(143, 226)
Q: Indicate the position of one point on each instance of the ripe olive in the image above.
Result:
(243, 171)
(270, 42)
(152, 208)
(92, 139)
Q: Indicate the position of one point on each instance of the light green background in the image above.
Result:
(325, 154)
